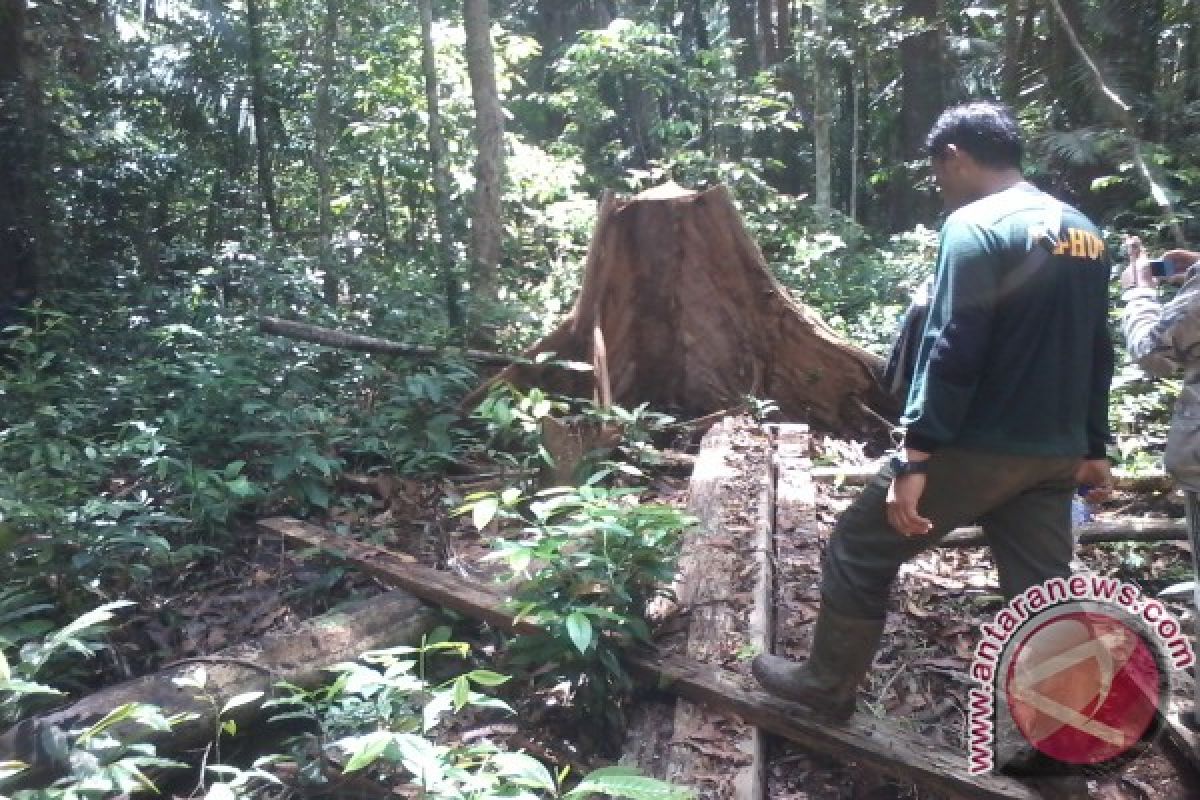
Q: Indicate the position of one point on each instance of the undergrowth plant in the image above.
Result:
(102, 759)
(384, 714)
(587, 561)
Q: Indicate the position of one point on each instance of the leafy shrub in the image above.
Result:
(587, 563)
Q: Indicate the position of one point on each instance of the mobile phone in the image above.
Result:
(1161, 268)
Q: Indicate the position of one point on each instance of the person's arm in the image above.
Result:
(1147, 335)
(1153, 331)
(961, 313)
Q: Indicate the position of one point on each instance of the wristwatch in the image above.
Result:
(900, 467)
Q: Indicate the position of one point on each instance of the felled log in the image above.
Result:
(724, 582)
(678, 297)
(371, 344)
(298, 656)
(875, 744)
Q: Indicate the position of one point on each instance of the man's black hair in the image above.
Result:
(986, 131)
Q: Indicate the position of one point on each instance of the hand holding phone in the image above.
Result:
(1162, 268)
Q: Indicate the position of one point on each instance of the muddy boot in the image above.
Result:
(842, 651)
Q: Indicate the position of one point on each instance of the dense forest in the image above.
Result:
(173, 172)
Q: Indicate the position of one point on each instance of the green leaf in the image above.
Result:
(524, 770)
(366, 749)
(462, 692)
(10, 768)
(579, 628)
(623, 782)
(5, 672)
(485, 677)
(239, 700)
(484, 511)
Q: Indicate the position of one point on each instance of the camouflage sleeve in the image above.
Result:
(1161, 337)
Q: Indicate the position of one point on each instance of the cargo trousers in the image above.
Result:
(1022, 502)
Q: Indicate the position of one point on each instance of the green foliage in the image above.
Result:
(382, 713)
(512, 424)
(588, 562)
(104, 758)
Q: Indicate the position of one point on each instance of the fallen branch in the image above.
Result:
(299, 656)
(1122, 530)
(371, 344)
(877, 744)
(1123, 481)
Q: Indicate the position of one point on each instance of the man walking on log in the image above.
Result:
(1006, 416)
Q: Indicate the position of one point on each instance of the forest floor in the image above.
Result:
(919, 676)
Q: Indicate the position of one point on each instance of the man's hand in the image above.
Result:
(1096, 474)
(1138, 273)
(902, 499)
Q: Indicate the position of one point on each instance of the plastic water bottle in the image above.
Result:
(1081, 511)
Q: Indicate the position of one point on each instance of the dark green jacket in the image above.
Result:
(1010, 362)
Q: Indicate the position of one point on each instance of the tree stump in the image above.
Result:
(678, 309)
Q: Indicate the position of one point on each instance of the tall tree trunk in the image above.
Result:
(1191, 56)
(741, 29)
(856, 128)
(486, 227)
(822, 108)
(16, 259)
(921, 59)
(1075, 107)
(789, 73)
(442, 255)
(258, 100)
(1131, 65)
(768, 49)
(322, 145)
(1012, 64)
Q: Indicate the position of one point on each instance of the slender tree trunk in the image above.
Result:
(855, 131)
(1132, 66)
(322, 145)
(741, 29)
(262, 133)
(442, 254)
(382, 211)
(768, 50)
(486, 226)
(1191, 56)
(789, 71)
(921, 101)
(16, 267)
(1075, 106)
(822, 108)
(1012, 64)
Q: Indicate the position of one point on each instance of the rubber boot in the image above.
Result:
(842, 651)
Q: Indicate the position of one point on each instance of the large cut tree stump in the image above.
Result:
(677, 309)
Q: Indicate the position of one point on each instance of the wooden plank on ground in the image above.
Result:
(871, 743)
(719, 581)
(401, 570)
